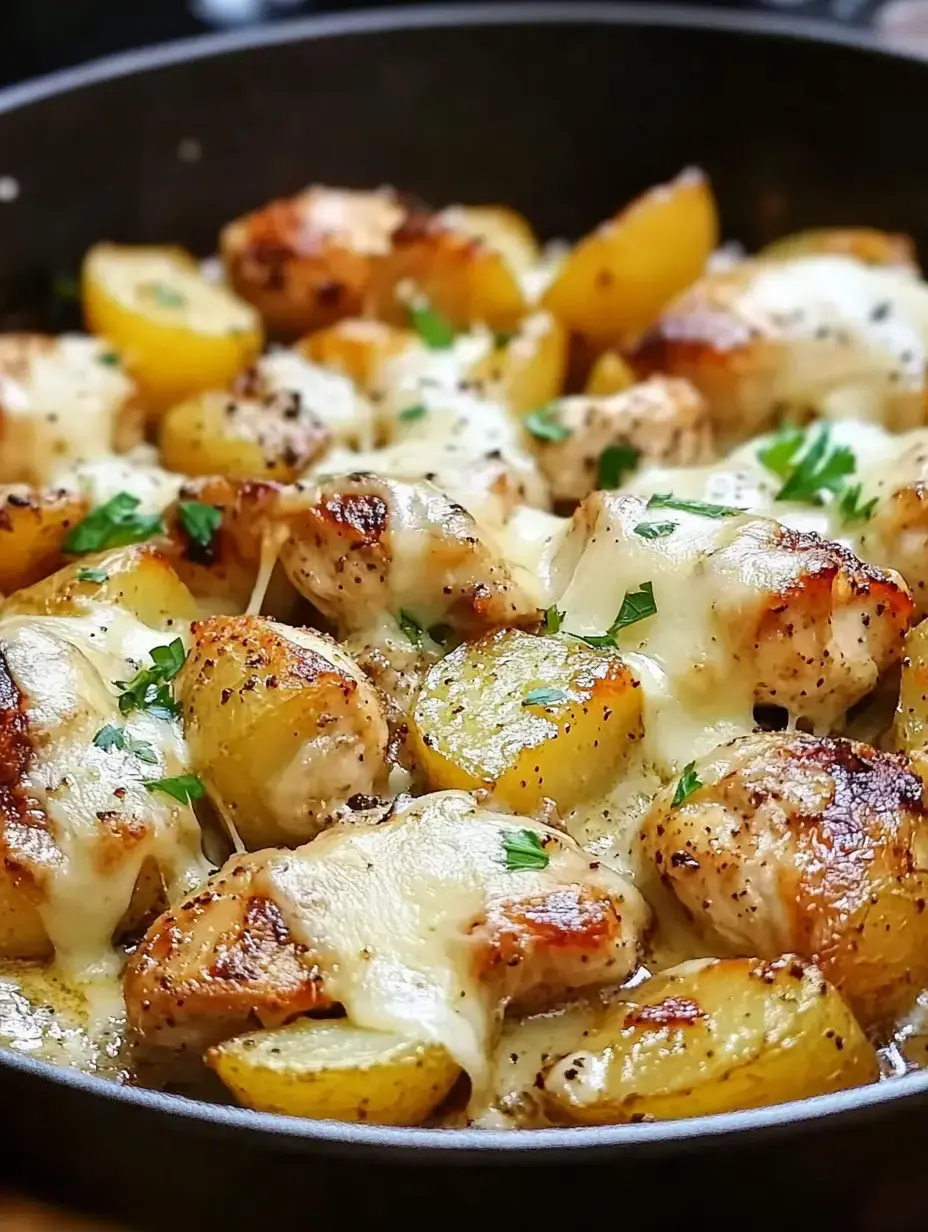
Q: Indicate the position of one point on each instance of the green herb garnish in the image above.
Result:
(200, 521)
(92, 575)
(410, 627)
(666, 500)
(165, 296)
(615, 462)
(545, 697)
(778, 455)
(412, 413)
(687, 783)
(554, 618)
(113, 525)
(109, 358)
(148, 689)
(655, 530)
(545, 424)
(436, 331)
(184, 788)
(637, 605)
(110, 737)
(524, 850)
(851, 509)
(820, 468)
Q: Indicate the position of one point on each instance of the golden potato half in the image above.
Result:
(714, 1036)
(533, 718)
(34, 524)
(910, 730)
(526, 370)
(177, 332)
(333, 1070)
(616, 280)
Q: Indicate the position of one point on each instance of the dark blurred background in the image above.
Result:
(37, 36)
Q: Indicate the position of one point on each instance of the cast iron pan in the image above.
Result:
(563, 111)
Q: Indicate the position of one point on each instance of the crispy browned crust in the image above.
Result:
(26, 843)
(34, 524)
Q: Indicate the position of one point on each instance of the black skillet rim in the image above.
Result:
(537, 1145)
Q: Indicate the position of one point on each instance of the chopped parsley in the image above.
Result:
(655, 530)
(687, 783)
(113, 525)
(524, 850)
(615, 462)
(110, 737)
(184, 788)
(412, 413)
(200, 521)
(637, 605)
(149, 689)
(502, 338)
(410, 627)
(436, 331)
(545, 424)
(163, 295)
(667, 500)
(93, 575)
(778, 455)
(819, 468)
(109, 358)
(545, 697)
(554, 618)
(851, 509)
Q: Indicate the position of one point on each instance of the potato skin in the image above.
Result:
(713, 1036)
(335, 1070)
(34, 523)
(282, 727)
(816, 846)
(527, 371)
(472, 729)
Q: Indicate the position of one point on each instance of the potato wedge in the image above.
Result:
(460, 277)
(215, 433)
(532, 718)
(305, 262)
(177, 333)
(865, 243)
(609, 375)
(527, 370)
(910, 729)
(357, 348)
(34, 523)
(505, 230)
(282, 727)
(336, 1071)
(714, 1036)
(616, 280)
(139, 578)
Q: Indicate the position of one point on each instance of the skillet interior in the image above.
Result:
(562, 111)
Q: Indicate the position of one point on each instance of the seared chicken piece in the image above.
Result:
(817, 846)
(896, 534)
(428, 923)
(816, 334)
(745, 611)
(62, 400)
(660, 420)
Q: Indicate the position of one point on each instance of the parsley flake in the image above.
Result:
(655, 530)
(113, 525)
(111, 737)
(412, 413)
(200, 521)
(666, 500)
(545, 697)
(637, 605)
(183, 788)
(545, 424)
(524, 851)
(109, 358)
(615, 462)
(436, 331)
(163, 295)
(778, 455)
(93, 575)
(554, 618)
(687, 783)
(820, 468)
(410, 627)
(851, 509)
(148, 689)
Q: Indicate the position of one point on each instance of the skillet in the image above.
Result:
(563, 111)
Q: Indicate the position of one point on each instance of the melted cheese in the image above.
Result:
(326, 394)
(102, 820)
(136, 472)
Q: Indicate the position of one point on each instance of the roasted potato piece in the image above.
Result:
(305, 262)
(34, 523)
(815, 846)
(864, 243)
(910, 730)
(337, 1071)
(357, 348)
(62, 400)
(527, 370)
(531, 718)
(714, 1036)
(460, 277)
(177, 333)
(275, 437)
(139, 579)
(281, 725)
(616, 280)
(503, 229)
(610, 374)
(602, 440)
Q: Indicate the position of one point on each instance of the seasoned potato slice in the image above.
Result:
(460, 277)
(34, 524)
(274, 437)
(503, 229)
(910, 730)
(533, 718)
(282, 726)
(357, 348)
(609, 375)
(618, 278)
(336, 1071)
(865, 243)
(62, 400)
(177, 333)
(714, 1036)
(305, 262)
(139, 578)
(527, 370)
